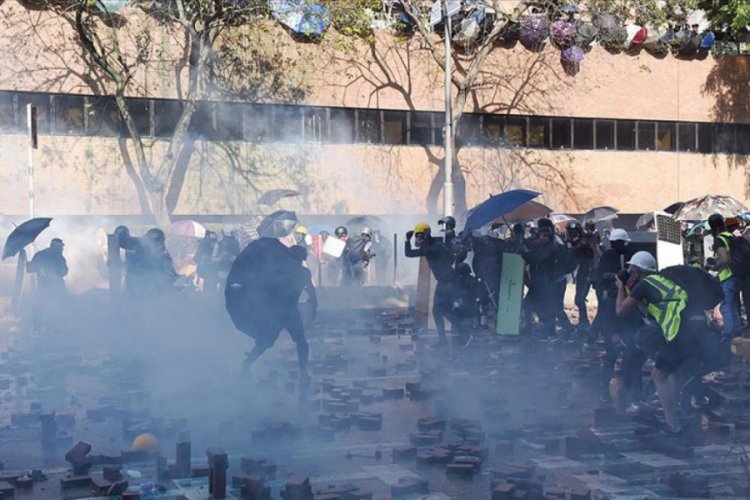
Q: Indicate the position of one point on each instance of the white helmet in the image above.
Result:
(619, 235)
(643, 260)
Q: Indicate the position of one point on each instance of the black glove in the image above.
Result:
(409, 234)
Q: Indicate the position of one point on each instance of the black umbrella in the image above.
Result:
(273, 196)
(365, 220)
(23, 235)
(674, 207)
(277, 224)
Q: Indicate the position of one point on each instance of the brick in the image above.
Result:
(460, 469)
(24, 483)
(409, 486)
(100, 486)
(111, 473)
(117, 488)
(576, 446)
(401, 453)
(580, 493)
(430, 424)
(183, 458)
(75, 482)
(503, 491)
(297, 488)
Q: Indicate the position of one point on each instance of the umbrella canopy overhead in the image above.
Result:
(600, 213)
(561, 220)
(273, 196)
(644, 221)
(278, 224)
(497, 206)
(702, 208)
(188, 228)
(302, 17)
(674, 207)
(23, 235)
(528, 211)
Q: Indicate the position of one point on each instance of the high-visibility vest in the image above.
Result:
(724, 272)
(668, 311)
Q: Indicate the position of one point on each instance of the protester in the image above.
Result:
(50, 268)
(356, 258)
(205, 258)
(581, 247)
(730, 284)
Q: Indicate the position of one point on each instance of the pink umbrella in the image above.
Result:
(188, 228)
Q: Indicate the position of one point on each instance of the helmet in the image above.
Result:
(421, 228)
(57, 241)
(716, 222)
(619, 235)
(573, 225)
(366, 231)
(340, 232)
(211, 235)
(643, 260)
(448, 221)
(122, 231)
(545, 222)
(301, 230)
(155, 234)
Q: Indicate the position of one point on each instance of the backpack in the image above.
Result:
(356, 250)
(739, 255)
(703, 290)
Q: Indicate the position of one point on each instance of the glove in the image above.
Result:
(409, 234)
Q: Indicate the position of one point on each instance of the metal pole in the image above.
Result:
(31, 126)
(395, 257)
(447, 140)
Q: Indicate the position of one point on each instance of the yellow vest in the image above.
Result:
(668, 311)
(724, 273)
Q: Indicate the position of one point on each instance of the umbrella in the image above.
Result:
(320, 228)
(365, 220)
(23, 235)
(188, 228)
(600, 213)
(561, 220)
(273, 196)
(702, 208)
(674, 207)
(302, 17)
(497, 206)
(645, 221)
(278, 224)
(703, 225)
(528, 211)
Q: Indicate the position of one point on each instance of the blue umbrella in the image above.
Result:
(302, 17)
(23, 235)
(497, 206)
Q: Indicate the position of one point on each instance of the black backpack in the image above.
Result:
(356, 250)
(739, 255)
(703, 290)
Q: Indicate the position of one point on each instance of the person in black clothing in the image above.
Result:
(356, 257)
(440, 260)
(50, 268)
(487, 263)
(226, 251)
(160, 271)
(581, 247)
(449, 229)
(204, 258)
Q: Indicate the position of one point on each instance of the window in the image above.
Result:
(561, 133)
(605, 134)
(469, 132)
(538, 132)
(421, 131)
(314, 124)
(394, 127)
(646, 136)
(686, 133)
(724, 140)
(368, 126)
(743, 139)
(103, 117)
(7, 118)
(705, 138)
(257, 119)
(228, 121)
(68, 112)
(341, 124)
(140, 110)
(41, 101)
(166, 115)
(515, 131)
(287, 123)
(666, 136)
(626, 135)
(583, 134)
(493, 129)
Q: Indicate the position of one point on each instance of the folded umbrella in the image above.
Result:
(23, 235)
(496, 206)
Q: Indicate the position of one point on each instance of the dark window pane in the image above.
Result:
(394, 127)
(421, 129)
(469, 130)
(202, 123)
(103, 117)
(166, 114)
(368, 126)
(686, 133)
(646, 136)
(666, 136)
(583, 134)
(626, 135)
(41, 101)
(724, 141)
(342, 126)
(493, 129)
(561, 133)
(314, 124)
(605, 134)
(515, 131)
(287, 123)
(538, 132)
(68, 114)
(228, 121)
(705, 138)
(7, 119)
(257, 122)
(743, 139)
(140, 110)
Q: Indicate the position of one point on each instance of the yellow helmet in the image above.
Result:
(301, 230)
(422, 227)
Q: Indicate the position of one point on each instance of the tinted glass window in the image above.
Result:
(626, 135)
(368, 126)
(68, 114)
(166, 115)
(705, 138)
(42, 103)
(538, 132)
(314, 128)
(515, 131)
(257, 120)
(666, 136)
(469, 130)
(686, 137)
(494, 129)
(287, 123)
(342, 126)
(562, 131)
(743, 139)
(140, 110)
(103, 117)
(228, 121)
(583, 134)
(724, 140)
(421, 129)
(646, 136)
(7, 119)
(394, 127)
(605, 134)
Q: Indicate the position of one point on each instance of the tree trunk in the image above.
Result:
(459, 188)
(436, 187)
(158, 202)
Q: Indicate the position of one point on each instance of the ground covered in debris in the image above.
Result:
(386, 416)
